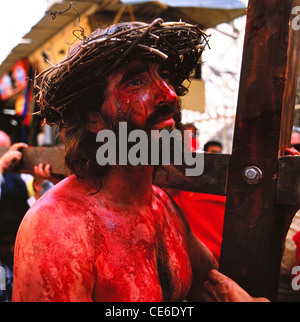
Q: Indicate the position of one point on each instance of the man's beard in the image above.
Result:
(113, 124)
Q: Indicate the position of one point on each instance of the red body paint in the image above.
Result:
(135, 93)
(66, 253)
(127, 242)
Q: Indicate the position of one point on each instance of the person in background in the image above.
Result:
(213, 147)
(13, 206)
(14, 203)
(42, 182)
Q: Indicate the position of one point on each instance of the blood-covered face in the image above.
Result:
(142, 94)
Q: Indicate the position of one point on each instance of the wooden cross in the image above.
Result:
(257, 216)
(261, 184)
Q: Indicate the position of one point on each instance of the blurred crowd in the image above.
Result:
(18, 192)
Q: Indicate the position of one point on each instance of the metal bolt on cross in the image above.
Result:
(252, 175)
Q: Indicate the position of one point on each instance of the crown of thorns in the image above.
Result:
(178, 43)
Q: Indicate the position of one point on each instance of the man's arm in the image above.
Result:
(202, 262)
(209, 285)
(220, 288)
(9, 159)
(53, 259)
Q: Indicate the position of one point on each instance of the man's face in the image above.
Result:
(214, 149)
(141, 94)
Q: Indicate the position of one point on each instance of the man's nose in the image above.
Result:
(165, 94)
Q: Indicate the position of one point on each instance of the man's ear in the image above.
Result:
(95, 122)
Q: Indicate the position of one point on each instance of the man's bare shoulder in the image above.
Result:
(66, 208)
(57, 237)
(69, 197)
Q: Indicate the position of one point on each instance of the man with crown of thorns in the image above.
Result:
(106, 233)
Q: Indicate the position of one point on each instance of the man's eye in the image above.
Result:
(165, 75)
(136, 82)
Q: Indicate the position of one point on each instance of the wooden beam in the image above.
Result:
(54, 156)
(212, 181)
(253, 227)
(33, 156)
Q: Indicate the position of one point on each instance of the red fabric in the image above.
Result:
(195, 144)
(296, 239)
(205, 214)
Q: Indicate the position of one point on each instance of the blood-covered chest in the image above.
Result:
(142, 260)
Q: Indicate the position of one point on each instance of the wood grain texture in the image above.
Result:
(254, 223)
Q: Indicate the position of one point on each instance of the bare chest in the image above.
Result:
(142, 260)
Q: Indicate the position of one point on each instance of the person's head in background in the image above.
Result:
(213, 147)
(4, 139)
(295, 141)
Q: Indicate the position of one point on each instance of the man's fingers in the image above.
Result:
(216, 277)
(9, 159)
(291, 151)
(17, 155)
(209, 288)
(17, 146)
(13, 155)
(219, 287)
(47, 170)
(42, 171)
